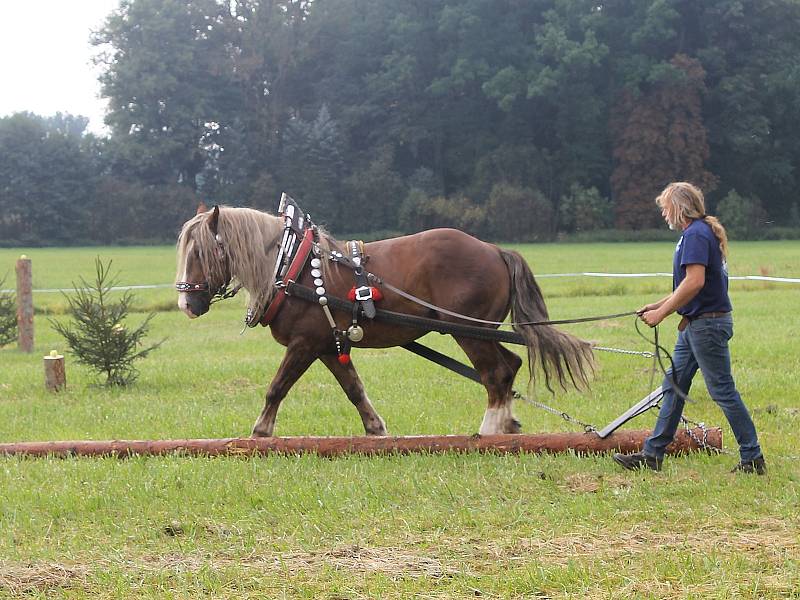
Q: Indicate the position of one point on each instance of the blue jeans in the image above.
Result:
(704, 345)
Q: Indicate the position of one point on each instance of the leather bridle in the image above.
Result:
(222, 292)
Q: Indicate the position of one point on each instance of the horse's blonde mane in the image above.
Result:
(250, 239)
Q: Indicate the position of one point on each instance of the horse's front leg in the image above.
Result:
(295, 362)
(351, 384)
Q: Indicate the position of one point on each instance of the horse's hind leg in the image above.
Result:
(295, 362)
(348, 378)
(497, 367)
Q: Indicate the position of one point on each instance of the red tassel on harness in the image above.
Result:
(344, 359)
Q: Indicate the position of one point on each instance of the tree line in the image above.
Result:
(514, 120)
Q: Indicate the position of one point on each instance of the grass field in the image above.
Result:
(426, 526)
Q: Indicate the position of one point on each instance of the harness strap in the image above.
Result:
(422, 302)
(363, 291)
(443, 360)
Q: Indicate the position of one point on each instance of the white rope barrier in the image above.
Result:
(540, 276)
(118, 288)
(730, 277)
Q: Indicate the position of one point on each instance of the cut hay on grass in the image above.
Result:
(771, 542)
(40, 577)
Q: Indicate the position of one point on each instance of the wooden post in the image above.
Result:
(55, 377)
(24, 304)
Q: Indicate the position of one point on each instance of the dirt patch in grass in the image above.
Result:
(40, 577)
(775, 540)
(395, 563)
(585, 483)
(774, 410)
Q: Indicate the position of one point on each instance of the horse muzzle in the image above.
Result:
(193, 299)
(193, 305)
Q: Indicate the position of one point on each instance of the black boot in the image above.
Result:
(634, 462)
(757, 466)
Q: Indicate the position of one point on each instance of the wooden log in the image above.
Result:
(55, 377)
(580, 443)
(24, 304)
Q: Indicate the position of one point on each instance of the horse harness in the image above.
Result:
(299, 241)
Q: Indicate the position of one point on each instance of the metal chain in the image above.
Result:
(621, 351)
(588, 428)
(703, 443)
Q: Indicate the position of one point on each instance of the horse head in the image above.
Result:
(203, 267)
(223, 244)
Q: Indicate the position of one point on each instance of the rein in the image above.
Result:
(484, 333)
(421, 302)
(338, 257)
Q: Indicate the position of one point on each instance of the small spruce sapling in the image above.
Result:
(99, 339)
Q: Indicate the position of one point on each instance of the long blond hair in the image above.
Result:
(689, 204)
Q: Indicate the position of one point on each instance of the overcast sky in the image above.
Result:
(45, 58)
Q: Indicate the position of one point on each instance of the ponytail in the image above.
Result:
(719, 232)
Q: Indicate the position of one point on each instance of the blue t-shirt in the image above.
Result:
(699, 246)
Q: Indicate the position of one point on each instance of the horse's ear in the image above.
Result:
(213, 220)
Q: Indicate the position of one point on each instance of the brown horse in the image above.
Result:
(447, 268)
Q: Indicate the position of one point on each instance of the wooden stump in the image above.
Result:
(24, 304)
(55, 377)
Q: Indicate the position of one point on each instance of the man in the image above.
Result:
(700, 296)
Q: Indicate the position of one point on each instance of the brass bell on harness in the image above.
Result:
(355, 333)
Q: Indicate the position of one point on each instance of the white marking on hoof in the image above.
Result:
(495, 420)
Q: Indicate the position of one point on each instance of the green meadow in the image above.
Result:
(424, 526)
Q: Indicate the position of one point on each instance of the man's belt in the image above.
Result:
(710, 315)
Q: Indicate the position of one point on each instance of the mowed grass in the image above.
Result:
(428, 526)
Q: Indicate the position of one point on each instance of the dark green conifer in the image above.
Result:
(99, 338)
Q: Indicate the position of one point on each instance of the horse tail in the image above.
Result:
(557, 353)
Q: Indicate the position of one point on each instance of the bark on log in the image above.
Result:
(580, 443)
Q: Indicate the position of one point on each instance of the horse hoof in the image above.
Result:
(515, 426)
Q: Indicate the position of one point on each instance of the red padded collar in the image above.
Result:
(298, 262)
